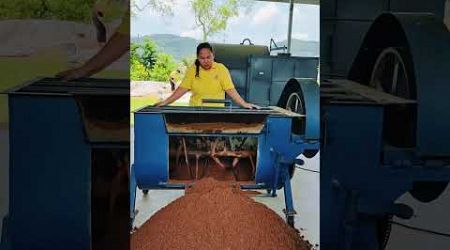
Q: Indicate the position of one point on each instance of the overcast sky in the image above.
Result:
(265, 20)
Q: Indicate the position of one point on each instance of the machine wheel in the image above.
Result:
(145, 191)
(392, 73)
(384, 227)
(291, 170)
(290, 221)
(292, 100)
(294, 103)
(427, 191)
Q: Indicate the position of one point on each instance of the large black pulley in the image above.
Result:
(392, 73)
(292, 99)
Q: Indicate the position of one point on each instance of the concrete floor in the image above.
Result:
(433, 216)
(305, 185)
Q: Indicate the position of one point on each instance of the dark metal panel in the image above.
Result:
(275, 91)
(260, 74)
(436, 6)
(357, 9)
(94, 86)
(327, 8)
(306, 67)
(235, 56)
(345, 45)
(283, 69)
(239, 77)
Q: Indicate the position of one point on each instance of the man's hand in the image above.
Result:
(238, 99)
(72, 74)
(160, 104)
(113, 50)
(250, 106)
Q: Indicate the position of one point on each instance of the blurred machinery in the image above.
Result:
(385, 115)
(234, 137)
(69, 150)
(175, 146)
(259, 146)
(262, 78)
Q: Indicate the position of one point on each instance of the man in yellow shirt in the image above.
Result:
(174, 78)
(206, 79)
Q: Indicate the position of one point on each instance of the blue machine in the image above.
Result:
(278, 145)
(262, 78)
(61, 133)
(384, 118)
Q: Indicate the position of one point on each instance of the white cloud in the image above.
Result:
(191, 33)
(265, 14)
(301, 36)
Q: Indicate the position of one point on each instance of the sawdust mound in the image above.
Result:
(214, 215)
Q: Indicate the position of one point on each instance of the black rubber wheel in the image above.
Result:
(145, 191)
(310, 153)
(291, 170)
(292, 99)
(392, 74)
(427, 191)
(384, 226)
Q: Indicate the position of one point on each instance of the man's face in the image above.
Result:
(206, 58)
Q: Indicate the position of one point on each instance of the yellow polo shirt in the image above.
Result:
(210, 84)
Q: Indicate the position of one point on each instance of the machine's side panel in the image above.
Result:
(436, 7)
(349, 159)
(283, 70)
(50, 185)
(239, 78)
(151, 146)
(265, 159)
(260, 77)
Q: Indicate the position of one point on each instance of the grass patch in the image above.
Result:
(18, 70)
(137, 102)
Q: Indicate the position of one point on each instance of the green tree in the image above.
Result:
(164, 65)
(138, 72)
(188, 61)
(67, 10)
(149, 53)
(147, 63)
(164, 7)
(212, 17)
(70, 10)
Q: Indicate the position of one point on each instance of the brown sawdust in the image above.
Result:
(216, 215)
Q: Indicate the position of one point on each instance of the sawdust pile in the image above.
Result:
(214, 215)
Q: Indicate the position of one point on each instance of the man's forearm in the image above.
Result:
(236, 97)
(118, 45)
(179, 92)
